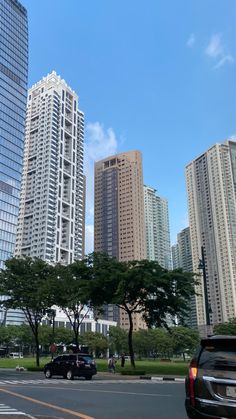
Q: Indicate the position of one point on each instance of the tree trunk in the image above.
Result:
(37, 344)
(130, 339)
(76, 334)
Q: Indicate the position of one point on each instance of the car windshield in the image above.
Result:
(218, 357)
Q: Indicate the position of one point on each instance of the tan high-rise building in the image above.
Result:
(211, 187)
(119, 214)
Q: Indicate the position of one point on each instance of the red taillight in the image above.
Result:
(192, 376)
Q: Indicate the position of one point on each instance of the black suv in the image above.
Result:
(71, 365)
(211, 383)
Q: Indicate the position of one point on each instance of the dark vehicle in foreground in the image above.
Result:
(211, 382)
(71, 365)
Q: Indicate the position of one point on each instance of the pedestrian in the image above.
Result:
(122, 360)
(111, 364)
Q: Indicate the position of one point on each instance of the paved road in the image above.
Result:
(109, 398)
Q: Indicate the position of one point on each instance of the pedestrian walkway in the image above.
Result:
(7, 411)
(75, 382)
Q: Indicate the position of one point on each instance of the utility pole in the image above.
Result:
(202, 267)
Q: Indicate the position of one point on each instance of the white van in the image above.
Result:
(15, 355)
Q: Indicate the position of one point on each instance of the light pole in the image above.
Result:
(202, 266)
(4, 316)
(51, 314)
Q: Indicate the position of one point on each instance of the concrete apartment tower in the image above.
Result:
(13, 95)
(211, 188)
(175, 256)
(119, 215)
(157, 228)
(182, 258)
(51, 218)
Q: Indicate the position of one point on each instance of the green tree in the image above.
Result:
(162, 342)
(118, 340)
(68, 294)
(143, 343)
(169, 296)
(228, 328)
(96, 342)
(26, 283)
(142, 287)
(184, 340)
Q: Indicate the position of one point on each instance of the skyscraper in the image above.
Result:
(13, 94)
(175, 256)
(157, 228)
(51, 217)
(182, 258)
(185, 251)
(211, 188)
(119, 214)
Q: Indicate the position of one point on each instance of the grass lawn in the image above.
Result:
(150, 367)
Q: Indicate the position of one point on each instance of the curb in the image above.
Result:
(177, 379)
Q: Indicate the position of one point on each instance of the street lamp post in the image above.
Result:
(202, 266)
(51, 314)
(4, 316)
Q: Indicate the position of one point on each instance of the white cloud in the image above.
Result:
(191, 40)
(217, 51)
(225, 59)
(100, 143)
(232, 137)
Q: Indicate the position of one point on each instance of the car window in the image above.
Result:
(65, 357)
(72, 357)
(218, 357)
(86, 359)
(57, 359)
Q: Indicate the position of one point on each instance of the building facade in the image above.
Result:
(13, 95)
(51, 216)
(175, 256)
(157, 228)
(182, 258)
(211, 188)
(119, 215)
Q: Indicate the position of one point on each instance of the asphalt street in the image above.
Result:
(106, 397)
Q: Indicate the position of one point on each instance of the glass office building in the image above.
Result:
(13, 94)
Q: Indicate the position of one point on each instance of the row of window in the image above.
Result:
(13, 114)
(5, 216)
(10, 181)
(15, 36)
(18, 94)
(11, 228)
(5, 141)
(10, 163)
(9, 237)
(7, 246)
(8, 208)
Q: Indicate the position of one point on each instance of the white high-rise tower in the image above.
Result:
(211, 187)
(51, 218)
(157, 228)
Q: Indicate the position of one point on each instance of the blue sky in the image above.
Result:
(159, 77)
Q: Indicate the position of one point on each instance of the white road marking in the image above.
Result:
(84, 382)
(7, 410)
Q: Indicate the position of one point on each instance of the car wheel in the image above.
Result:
(48, 373)
(69, 375)
(88, 377)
